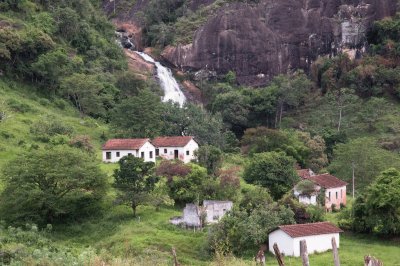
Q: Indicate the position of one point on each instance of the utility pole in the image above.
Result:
(352, 165)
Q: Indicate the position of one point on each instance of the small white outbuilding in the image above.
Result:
(318, 237)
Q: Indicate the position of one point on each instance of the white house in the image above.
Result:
(180, 147)
(318, 237)
(307, 197)
(214, 210)
(115, 149)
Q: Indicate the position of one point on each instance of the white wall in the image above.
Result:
(216, 210)
(170, 154)
(283, 240)
(318, 243)
(291, 246)
(146, 148)
(308, 200)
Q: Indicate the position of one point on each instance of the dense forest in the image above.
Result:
(65, 88)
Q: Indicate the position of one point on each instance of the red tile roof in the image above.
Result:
(303, 173)
(300, 230)
(171, 141)
(327, 181)
(124, 144)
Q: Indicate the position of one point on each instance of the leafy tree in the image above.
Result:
(192, 120)
(372, 111)
(138, 116)
(88, 94)
(317, 158)
(209, 157)
(253, 197)
(272, 170)
(262, 139)
(292, 91)
(53, 66)
(170, 169)
(342, 99)
(368, 158)
(159, 196)
(194, 187)
(51, 186)
(241, 231)
(134, 181)
(377, 210)
(234, 109)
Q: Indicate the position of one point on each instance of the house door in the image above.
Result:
(176, 154)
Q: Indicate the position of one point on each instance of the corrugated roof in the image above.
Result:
(311, 229)
(327, 181)
(124, 144)
(180, 141)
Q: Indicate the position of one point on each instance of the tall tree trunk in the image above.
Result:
(280, 115)
(134, 209)
(340, 119)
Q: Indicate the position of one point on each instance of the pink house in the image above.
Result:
(335, 189)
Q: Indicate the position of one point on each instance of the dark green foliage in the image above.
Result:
(209, 157)
(134, 181)
(54, 185)
(242, 231)
(138, 116)
(385, 36)
(376, 210)
(306, 187)
(272, 170)
(254, 197)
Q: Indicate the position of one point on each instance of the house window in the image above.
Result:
(108, 155)
(329, 196)
(157, 152)
(187, 152)
(118, 154)
(336, 195)
(129, 153)
(165, 151)
(142, 154)
(151, 155)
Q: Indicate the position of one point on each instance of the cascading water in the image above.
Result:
(168, 83)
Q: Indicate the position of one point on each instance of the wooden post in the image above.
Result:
(260, 257)
(278, 255)
(353, 179)
(304, 253)
(176, 263)
(335, 252)
(371, 261)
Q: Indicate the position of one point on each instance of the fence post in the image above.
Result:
(278, 255)
(335, 252)
(304, 253)
(371, 261)
(176, 263)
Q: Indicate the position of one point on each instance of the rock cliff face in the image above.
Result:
(262, 40)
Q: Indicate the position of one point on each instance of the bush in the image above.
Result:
(48, 127)
(82, 142)
(19, 107)
(315, 213)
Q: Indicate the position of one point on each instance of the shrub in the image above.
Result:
(19, 107)
(82, 142)
(48, 127)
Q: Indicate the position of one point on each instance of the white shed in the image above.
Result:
(115, 149)
(178, 147)
(318, 237)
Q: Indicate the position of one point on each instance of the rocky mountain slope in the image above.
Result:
(260, 40)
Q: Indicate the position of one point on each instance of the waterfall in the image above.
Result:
(168, 83)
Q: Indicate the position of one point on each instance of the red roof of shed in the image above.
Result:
(327, 181)
(311, 229)
(180, 141)
(124, 144)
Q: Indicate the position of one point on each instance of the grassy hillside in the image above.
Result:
(24, 108)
